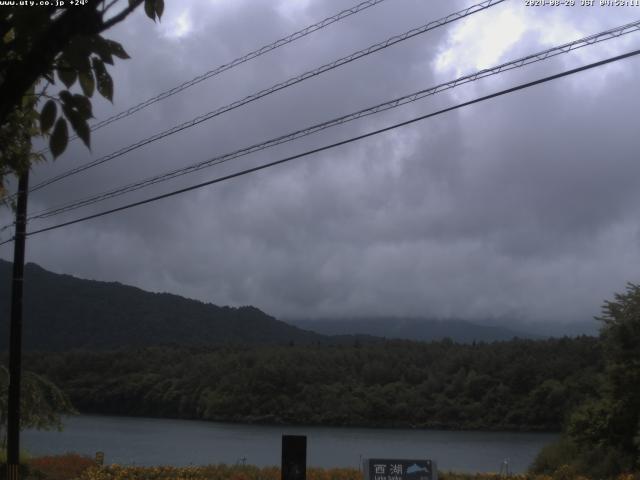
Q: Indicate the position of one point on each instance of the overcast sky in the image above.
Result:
(526, 206)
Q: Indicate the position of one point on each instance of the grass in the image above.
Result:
(59, 467)
(72, 466)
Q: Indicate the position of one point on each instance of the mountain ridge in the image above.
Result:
(63, 312)
(413, 328)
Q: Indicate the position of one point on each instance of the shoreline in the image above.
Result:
(367, 426)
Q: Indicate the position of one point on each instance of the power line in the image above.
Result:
(337, 144)
(520, 62)
(234, 63)
(279, 86)
(227, 66)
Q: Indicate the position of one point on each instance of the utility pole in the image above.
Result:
(15, 336)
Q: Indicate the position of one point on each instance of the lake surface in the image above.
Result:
(146, 441)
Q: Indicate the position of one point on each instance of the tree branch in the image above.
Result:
(107, 7)
(121, 16)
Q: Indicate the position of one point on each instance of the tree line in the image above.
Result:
(519, 384)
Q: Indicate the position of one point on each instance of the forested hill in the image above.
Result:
(520, 384)
(63, 312)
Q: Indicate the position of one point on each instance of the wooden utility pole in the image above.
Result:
(15, 336)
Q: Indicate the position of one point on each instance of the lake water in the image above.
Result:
(146, 441)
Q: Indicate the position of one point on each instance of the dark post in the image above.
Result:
(15, 336)
(294, 457)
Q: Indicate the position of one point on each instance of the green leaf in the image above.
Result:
(82, 105)
(77, 54)
(98, 67)
(27, 99)
(87, 83)
(77, 109)
(150, 9)
(48, 116)
(159, 8)
(105, 83)
(80, 126)
(101, 48)
(59, 138)
(67, 109)
(9, 37)
(65, 96)
(67, 74)
(117, 49)
(105, 87)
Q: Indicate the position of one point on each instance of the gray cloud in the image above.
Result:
(524, 206)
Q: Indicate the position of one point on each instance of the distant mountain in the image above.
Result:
(63, 312)
(417, 329)
(562, 329)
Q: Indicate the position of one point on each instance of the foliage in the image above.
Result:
(15, 138)
(59, 467)
(40, 44)
(217, 472)
(521, 384)
(553, 456)
(603, 432)
(41, 403)
(621, 338)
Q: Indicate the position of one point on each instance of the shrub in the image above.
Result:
(59, 467)
(554, 456)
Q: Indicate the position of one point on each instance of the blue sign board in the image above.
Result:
(400, 469)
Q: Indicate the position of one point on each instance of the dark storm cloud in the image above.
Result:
(526, 206)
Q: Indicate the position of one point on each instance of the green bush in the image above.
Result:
(554, 456)
(566, 459)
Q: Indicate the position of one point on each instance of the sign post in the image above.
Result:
(294, 457)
